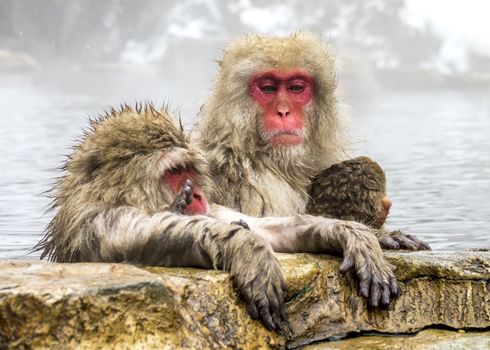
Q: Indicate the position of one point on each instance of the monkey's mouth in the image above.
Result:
(288, 137)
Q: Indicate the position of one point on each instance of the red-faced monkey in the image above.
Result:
(135, 191)
(272, 123)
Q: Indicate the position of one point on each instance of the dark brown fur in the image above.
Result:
(350, 190)
(354, 190)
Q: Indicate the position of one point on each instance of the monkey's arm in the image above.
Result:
(399, 240)
(168, 239)
(313, 234)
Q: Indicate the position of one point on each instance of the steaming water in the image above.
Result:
(435, 147)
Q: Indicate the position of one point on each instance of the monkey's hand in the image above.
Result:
(399, 240)
(258, 277)
(362, 254)
(183, 198)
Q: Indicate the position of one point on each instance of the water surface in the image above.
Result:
(434, 146)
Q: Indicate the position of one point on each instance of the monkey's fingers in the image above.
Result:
(187, 191)
(375, 294)
(386, 242)
(405, 242)
(385, 297)
(183, 198)
(347, 264)
(377, 283)
(351, 262)
(409, 242)
(382, 292)
(266, 302)
(421, 244)
(364, 283)
(395, 289)
(251, 308)
(178, 205)
(277, 308)
(266, 317)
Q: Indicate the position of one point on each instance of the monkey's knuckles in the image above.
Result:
(386, 242)
(267, 306)
(264, 297)
(377, 281)
(409, 242)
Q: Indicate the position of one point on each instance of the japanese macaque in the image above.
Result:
(355, 189)
(135, 191)
(272, 123)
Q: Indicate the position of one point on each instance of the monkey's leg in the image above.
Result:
(399, 240)
(166, 239)
(183, 198)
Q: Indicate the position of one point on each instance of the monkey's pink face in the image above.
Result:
(175, 178)
(282, 96)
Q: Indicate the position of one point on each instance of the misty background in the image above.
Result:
(414, 74)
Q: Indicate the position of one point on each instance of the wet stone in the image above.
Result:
(92, 305)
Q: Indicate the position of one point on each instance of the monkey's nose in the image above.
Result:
(282, 109)
(387, 203)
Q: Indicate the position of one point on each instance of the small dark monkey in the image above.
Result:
(356, 190)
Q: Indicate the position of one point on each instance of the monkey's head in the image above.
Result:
(137, 157)
(276, 94)
(352, 190)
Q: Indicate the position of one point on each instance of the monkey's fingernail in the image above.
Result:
(346, 265)
(364, 288)
(252, 310)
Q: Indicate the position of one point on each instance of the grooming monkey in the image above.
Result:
(134, 191)
(272, 123)
(355, 189)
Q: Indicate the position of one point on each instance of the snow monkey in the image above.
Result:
(135, 191)
(272, 123)
(355, 189)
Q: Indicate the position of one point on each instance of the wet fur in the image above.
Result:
(112, 206)
(256, 178)
(251, 175)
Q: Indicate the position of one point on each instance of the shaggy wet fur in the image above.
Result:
(350, 190)
(259, 179)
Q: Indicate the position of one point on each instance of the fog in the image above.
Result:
(414, 76)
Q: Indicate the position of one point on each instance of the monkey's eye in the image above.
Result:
(268, 89)
(296, 88)
(176, 170)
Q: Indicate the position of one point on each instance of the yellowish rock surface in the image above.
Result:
(93, 306)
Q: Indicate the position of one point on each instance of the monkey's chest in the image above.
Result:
(267, 195)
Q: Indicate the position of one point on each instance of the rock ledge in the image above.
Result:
(89, 306)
